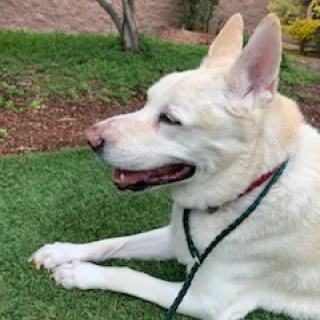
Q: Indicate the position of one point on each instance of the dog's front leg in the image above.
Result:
(154, 244)
(84, 275)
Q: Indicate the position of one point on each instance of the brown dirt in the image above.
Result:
(184, 36)
(310, 107)
(60, 123)
(311, 111)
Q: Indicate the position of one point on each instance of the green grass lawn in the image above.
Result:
(69, 196)
(72, 65)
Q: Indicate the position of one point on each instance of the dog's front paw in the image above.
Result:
(53, 255)
(76, 274)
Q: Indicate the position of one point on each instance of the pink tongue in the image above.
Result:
(132, 177)
(124, 177)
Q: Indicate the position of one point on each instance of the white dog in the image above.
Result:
(210, 133)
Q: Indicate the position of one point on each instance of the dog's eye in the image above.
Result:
(168, 119)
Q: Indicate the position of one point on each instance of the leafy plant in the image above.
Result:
(73, 94)
(2, 101)
(34, 105)
(4, 133)
(9, 105)
(316, 9)
(299, 18)
(198, 13)
(13, 90)
(286, 10)
(303, 30)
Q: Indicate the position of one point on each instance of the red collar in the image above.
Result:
(255, 184)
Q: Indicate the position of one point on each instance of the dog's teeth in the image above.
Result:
(122, 177)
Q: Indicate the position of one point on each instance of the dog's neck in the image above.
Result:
(276, 142)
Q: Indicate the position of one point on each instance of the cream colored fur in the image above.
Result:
(235, 128)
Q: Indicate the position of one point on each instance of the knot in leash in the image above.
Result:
(200, 258)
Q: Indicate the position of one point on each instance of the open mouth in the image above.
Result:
(140, 180)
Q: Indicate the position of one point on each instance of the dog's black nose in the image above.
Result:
(94, 139)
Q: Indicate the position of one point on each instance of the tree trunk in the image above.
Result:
(126, 26)
(130, 43)
(302, 46)
(309, 10)
(130, 34)
(113, 14)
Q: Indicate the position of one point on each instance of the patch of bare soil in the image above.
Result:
(60, 123)
(310, 107)
(185, 36)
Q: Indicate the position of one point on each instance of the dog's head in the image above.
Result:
(195, 122)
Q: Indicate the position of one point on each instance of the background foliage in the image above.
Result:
(299, 19)
(198, 13)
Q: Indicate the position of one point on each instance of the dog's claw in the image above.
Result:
(37, 264)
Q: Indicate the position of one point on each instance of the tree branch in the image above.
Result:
(128, 7)
(310, 8)
(113, 14)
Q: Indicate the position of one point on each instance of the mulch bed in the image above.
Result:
(311, 111)
(309, 107)
(60, 123)
(184, 36)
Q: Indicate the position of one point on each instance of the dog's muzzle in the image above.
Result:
(94, 139)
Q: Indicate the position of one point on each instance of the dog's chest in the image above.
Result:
(204, 227)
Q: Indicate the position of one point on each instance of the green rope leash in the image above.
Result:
(201, 258)
(192, 248)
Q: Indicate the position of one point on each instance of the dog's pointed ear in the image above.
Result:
(256, 70)
(228, 43)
